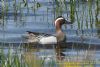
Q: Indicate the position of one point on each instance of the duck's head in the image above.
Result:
(60, 21)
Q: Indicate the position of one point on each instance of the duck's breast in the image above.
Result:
(48, 40)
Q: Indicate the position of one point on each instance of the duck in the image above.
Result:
(44, 38)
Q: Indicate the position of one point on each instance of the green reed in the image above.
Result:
(2, 59)
(15, 58)
(78, 20)
(97, 20)
(90, 13)
(66, 7)
(86, 16)
(18, 14)
(72, 10)
(54, 9)
(47, 16)
(15, 10)
(82, 16)
(77, 16)
(3, 12)
(11, 59)
(58, 8)
(97, 12)
(20, 11)
(34, 6)
(6, 9)
(87, 24)
(26, 5)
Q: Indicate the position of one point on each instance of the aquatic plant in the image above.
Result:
(90, 13)
(15, 10)
(78, 20)
(6, 9)
(87, 24)
(66, 7)
(26, 5)
(9, 60)
(2, 58)
(97, 20)
(36, 6)
(72, 10)
(58, 8)
(20, 11)
(97, 12)
(3, 11)
(82, 16)
(15, 58)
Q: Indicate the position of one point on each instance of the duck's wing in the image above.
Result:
(38, 34)
(41, 38)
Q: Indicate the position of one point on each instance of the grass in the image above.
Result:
(22, 60)
(10, 60)
(28, 59)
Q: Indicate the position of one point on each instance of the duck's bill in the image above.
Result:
(68, 22)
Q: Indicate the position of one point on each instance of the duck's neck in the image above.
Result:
(58, 28)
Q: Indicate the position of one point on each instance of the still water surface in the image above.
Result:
(42, 20)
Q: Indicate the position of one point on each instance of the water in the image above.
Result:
(41, 19)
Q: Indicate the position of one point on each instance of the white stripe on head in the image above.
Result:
(57, 20)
